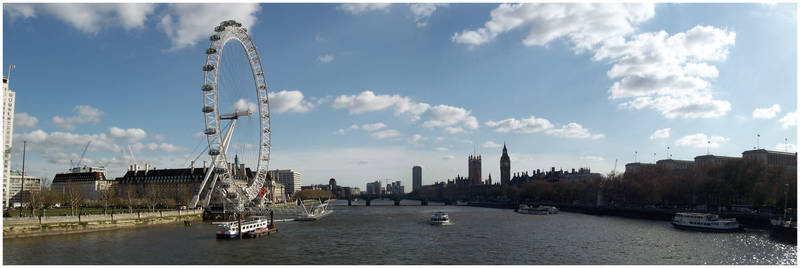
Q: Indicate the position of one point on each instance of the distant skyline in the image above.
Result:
(364, 92)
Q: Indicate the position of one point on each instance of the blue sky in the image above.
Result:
(366, 91)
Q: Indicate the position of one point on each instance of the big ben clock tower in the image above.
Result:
(505, 166)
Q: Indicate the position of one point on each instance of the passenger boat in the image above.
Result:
(440, 218)
(314, 213)
(252, 226)
(540, 210)
(704, 221)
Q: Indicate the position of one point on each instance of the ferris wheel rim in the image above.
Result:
(226, 32)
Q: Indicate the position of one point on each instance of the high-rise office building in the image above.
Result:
(8, 134)
(416, 175)
(505, 166)
(290, 180)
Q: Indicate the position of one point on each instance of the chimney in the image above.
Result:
(204, 167)
(135, 169)
(146, 168)
(192, 167)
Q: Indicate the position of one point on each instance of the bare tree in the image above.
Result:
(74, 197)
(152, 194)
(50, 198)
(35, 201)
(107, 197)
(129, 196)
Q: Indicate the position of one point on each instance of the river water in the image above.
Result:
(386, 234)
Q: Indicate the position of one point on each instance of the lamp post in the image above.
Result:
(22, 183)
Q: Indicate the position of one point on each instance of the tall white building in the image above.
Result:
(290, 179)
(8, 133)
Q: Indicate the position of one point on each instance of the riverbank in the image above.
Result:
(58, 225)
(748, 220)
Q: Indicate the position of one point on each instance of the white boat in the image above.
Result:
(704, 221)
(314, 213)
(440, 218)
(540, 210)
(251, 226)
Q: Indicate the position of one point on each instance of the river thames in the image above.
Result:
(386, 234)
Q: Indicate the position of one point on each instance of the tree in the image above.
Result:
(35, 201)
(129, 196)
(74, 196)
(152, 194)
(107, 197)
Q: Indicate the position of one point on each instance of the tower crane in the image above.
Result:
(82, 154)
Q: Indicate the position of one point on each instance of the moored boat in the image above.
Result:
(314, 213)
(783, 230)
(704, 222)
(252, 226)
(540, 210)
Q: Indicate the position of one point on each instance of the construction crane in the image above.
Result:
(614, 171)
(82, 154)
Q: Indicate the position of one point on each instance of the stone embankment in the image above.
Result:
(55, 225)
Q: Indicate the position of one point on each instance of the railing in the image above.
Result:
(95, 217)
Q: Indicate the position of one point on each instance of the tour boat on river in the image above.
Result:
(541, 210)
(704, 221)
(252, 226)
(440, 218)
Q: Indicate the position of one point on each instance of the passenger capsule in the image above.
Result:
(208, 109)
(213, 152)
(219, 28)
(214, 38)
(207, 88)
(208, 68)
(211, 51)
(211, 131)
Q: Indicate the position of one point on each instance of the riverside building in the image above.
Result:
(416, 178)
(19, 195)
(290, 179)
(89, 180)
(474, 164)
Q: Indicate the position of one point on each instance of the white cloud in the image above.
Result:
(159, 137)
(786, 147)
(788, 120)
(373, 127)
(592, 158)
(386, 134)
(442, 149)
(448, 157)
(339, 132)
(423, 11)
(60, 141)
(243, 105)
(533, 125)
(367, 101)
(573, 130)
(84, 114)
(416, 138)
(491, 144)
(325, 58)
(660, 134)
(288, 102)
(88, 17)
(360, 8)
(439, 138)
(354, 126)
(187, 24)
(130, 135)
(584, 25)
(526, 125)
(18, 10)
(453, 130)
(23, 120)
(668, 73)
(665, 73)
(444, 115)
(163, 147)
(767, 113)
(700, 140)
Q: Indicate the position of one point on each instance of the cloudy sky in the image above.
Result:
(362, 92)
